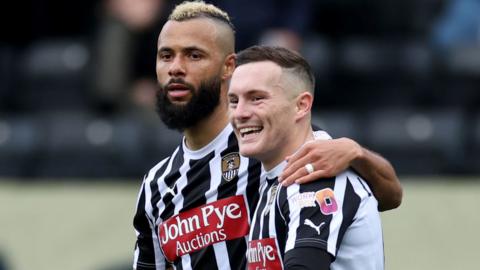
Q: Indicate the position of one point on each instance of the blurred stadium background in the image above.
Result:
(78, 128)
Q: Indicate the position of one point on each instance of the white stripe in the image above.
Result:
(271, 221)
(215, 177)
(148, 191)
(265, 208)
(277, 202)
(182, 181)
(221, 254)
(135, 257)
(159, 258)
(186, 262)
(360, 190)
(178, 200)
(242, 176)
(294, 217)
(137, 233)
(162, 187)
(243, 182)
(337, 218)
(220, 249)
(271, 218)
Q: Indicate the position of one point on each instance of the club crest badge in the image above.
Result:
(273, 193)
(230, 165)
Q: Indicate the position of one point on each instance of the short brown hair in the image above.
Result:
(283, 57)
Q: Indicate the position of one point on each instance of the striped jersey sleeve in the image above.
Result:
(318, 214)
(144, 254)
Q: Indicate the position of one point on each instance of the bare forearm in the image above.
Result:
(331, 157)
(381, 176)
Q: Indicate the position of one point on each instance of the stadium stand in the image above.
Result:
(380, 80)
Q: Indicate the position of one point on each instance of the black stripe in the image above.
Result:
(253, 186)
(252, 196)
(361, 183)
(144, 240)
(270, 201)
(199, 180)
(178, 265)
(351, 202)
(283, 209)
(261, 205)
(155, 197)
(227, 189)
(204, 259)
(170, 179)
(198, 183)
(313, 213)
(235, 248)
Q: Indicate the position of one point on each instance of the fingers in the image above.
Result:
(300, 154)
(300, 175)
(311, 177)
(293, 169)
(296, 161)
(290, 179)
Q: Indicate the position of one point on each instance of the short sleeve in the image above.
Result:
(144, 255)
(317, 214)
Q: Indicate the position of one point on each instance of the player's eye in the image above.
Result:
(195, 55)
(232, 101)
(165, 56)
(257, 98)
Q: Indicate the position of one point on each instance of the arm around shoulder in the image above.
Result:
(331, 157)
(381, 176)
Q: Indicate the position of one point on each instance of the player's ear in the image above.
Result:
(228, 66)
(303, 104)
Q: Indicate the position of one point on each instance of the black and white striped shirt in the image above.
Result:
(337, 215)
(194, 208)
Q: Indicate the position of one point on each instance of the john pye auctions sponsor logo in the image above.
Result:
(203, 226)
(263, 254)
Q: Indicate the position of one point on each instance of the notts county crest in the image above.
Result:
(230, 165)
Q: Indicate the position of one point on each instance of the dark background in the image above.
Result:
(400, 77)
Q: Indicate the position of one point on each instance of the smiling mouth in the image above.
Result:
(249, 131)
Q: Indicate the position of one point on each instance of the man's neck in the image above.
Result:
(207, 129)
(298, 137)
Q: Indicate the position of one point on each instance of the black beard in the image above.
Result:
(202, 103)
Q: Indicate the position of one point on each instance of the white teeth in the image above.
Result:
(246, 130)
(249, 129)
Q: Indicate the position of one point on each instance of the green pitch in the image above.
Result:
(87, 226)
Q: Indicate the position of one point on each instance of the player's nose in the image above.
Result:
(241, 111)
(177, 67)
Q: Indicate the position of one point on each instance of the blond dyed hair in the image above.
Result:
(198, 9)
